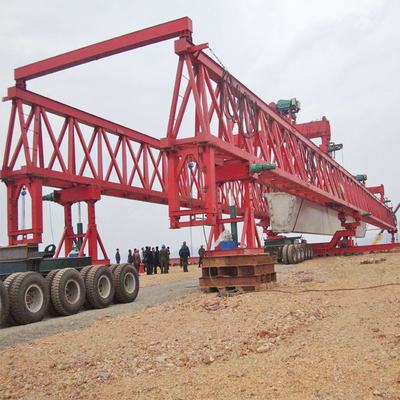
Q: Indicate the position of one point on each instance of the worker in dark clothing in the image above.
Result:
(117, 257)
(164, 259)
(130, 257)
(144, 259)
(156, 256)
(202, 252)
(148, 255)
(184, 254)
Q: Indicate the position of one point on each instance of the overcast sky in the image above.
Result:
(341, 59)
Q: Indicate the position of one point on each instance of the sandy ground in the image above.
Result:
(312, 338)
(175, 273)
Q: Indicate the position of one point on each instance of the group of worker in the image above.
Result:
(153, 258)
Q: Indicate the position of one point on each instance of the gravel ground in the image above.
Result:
(153, 289)
(310, 338)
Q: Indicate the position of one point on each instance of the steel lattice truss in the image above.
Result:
(199, 177)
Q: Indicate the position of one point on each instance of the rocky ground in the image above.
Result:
(313, 337)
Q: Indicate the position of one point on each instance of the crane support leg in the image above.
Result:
(24, 234)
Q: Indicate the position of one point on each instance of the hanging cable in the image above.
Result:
(51, 222)
(237, 106)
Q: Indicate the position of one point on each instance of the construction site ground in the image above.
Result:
(328, 329)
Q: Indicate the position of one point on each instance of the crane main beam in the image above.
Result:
(182, 27)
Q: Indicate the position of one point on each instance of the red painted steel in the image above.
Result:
(199, 177)
(317, 129)
(179, 28)
(326, 251)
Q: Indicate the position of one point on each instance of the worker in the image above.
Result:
(117, 257)
(148, 256)
(202, 252)
(156, 256)
(169, 256)
(184, 254)
(164, 259)
(136, 259)
(143, 259)
(130, 256)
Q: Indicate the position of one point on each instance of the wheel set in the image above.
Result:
(26, 297)
(296, 253)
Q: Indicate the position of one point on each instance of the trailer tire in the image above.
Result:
(49, 279)
(113, 267)
(4, 304)
(99, 286)
(292, 254)
(29, 298)
(126, 282)
(84, 271)
(8, 283)
(311, 252)
(285, 254)
(302, 255)
(68, 292)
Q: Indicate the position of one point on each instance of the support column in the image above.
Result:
(34, 187)
(210, 190)
(173, 189)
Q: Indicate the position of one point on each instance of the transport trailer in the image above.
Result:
(289, 250)
(33, 283)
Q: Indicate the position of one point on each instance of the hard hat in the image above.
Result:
(201, 245)
(184, 242)
(163, 246)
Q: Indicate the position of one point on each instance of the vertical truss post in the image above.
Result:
(35, 190)
(92, 230)
(173, 189)
(249, 227)
(210, 189)
(13, 192)
(34, 187)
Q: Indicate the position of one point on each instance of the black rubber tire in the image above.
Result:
(292, 254)
(311, 252)
(113, 267)
(29, 298)
(126, 283)
(307, 251)
(99, 286)
(84, 271)
(304, 247)
(302, 255)
(4, 304)
(49, 279)
(8, 283)
(68, 291)
(285, 254)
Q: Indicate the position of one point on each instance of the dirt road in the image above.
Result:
(12, 335)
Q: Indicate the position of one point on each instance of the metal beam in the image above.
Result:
(182, 27)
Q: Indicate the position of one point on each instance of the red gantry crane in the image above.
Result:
(241, 149)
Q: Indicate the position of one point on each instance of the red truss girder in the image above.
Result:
(84, 150)
(302, 168)
(88, 150)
